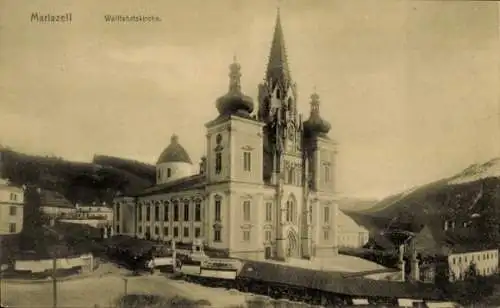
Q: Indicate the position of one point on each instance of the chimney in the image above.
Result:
(203, 165)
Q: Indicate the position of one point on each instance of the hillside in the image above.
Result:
(356, 204)
(77, 181)
(471, 197)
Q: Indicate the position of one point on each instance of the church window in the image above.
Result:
(186, 210)
(176, 210)
(268, 236)
(157, 231)
(139, 213)
(165, 211)
(326, 234)
(218, 139)
(186, 232)
(217, 210)
(165, 231)
(247, 161)
(157, 212)
(13, 210)
(197, 232)
(327, 214)
(246, 235)
(139, 229)
(218, 162)
(269, 211)
(289, 210)
(148, 213)
(176, 231)
(197, 211)
(327, 173)
(278, 93)
(290, 104)
(291, 176)
(246, 210)
(217, 236)
(169, 172)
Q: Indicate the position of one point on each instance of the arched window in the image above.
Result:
(290, 210)
(176, 210)
(218, 162)
(169, 172)
(165, 211)
(291, 175)
(290, 104)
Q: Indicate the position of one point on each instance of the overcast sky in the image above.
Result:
(411, 88)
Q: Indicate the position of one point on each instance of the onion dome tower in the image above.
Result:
(235, 102)
(315, 125)
(174, 163)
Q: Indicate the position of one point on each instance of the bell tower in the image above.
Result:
(278, 108)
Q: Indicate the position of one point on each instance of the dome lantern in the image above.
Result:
(315, 125)
(235, 102)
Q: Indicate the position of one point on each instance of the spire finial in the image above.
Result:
(234, 76)
(174, 139)
(314, 102)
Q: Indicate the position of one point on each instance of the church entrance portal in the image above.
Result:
(292, 244)
(267, 252)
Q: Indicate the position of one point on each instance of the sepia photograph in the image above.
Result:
(240, 154)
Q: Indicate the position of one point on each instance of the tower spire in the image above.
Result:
(277, 67)
(235, 76)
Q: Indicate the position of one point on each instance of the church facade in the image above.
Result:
(264, 189)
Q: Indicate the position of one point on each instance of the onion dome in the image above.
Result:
(235, 102)
(174, 153)
(315, 124)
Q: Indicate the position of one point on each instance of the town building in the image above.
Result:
(94, 211)
(264, 189)
(54, 204)
(11, 208)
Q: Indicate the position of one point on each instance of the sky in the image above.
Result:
(409, 87)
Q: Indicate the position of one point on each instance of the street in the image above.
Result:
(105, 286)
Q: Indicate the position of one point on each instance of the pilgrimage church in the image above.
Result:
(264, 190)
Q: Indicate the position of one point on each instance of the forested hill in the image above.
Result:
(82, 182)
(471, 199)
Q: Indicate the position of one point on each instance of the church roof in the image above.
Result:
(174, 153)
(188, 183)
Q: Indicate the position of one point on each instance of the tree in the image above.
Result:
(461, 291)
(32, 234)
(490, 222)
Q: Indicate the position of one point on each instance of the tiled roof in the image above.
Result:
(54, 199)
(187, 183)
(335, 282)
